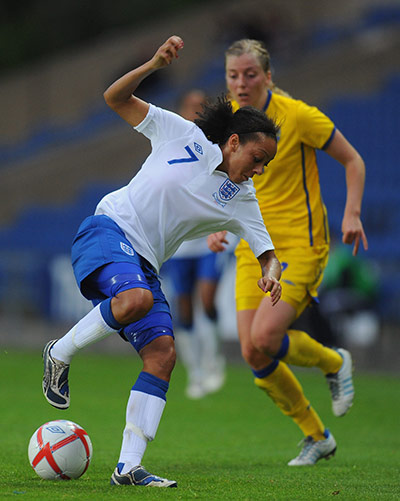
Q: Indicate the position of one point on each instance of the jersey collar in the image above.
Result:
(216, 158)
(267, 101)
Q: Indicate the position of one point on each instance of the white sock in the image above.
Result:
(89, 329)
(143, 414)
(211, 346)
(189, 350)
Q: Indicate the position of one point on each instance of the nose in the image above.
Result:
(259, 170)
(240, 81)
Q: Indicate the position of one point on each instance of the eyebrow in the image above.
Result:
(248, 68)
(265, 154)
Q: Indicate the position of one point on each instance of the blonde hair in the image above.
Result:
(260, 52)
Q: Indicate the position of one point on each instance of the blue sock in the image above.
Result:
(283, 349)
(147, 383)
(262, 373)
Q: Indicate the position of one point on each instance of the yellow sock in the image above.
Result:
(310, 423)
(286, 392)
(307, 352)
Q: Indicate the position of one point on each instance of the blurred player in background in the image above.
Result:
(195, 181)
(290, 201)
(193, 270)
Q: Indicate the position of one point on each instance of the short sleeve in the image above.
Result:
(314, 127)
(252, 228)
(161, 125)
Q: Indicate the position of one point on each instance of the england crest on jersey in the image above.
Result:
(226, 192)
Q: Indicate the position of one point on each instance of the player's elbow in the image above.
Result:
(109, 99)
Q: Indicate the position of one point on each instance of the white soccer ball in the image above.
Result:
(60, 450)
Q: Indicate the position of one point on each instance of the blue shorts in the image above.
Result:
(105, 264)
(185, 272)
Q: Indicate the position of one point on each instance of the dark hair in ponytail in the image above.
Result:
(218, 122)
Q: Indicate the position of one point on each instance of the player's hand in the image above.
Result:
(272, 285)
(217, 240)
(353, 232)
(167, 52)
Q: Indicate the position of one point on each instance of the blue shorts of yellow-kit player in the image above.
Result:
(302, 272)
(105, 264)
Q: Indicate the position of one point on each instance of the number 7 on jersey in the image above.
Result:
(191, 158)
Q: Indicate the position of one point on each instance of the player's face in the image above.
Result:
(246, 80)
(249, 158)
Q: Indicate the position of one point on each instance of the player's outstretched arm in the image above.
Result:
(269, 282)
(119, 96)
(352, 229)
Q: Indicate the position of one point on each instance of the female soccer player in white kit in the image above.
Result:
(194, 182)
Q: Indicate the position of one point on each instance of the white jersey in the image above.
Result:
(198, 247)
(179, 195)
(193, 249)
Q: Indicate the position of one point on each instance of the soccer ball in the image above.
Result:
(60, 450)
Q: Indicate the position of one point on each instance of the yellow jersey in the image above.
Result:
(288, 191)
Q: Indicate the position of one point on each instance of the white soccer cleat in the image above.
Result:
(209, 380)
(195, 390)
(214, 378)
(313, 451)
(341, 385)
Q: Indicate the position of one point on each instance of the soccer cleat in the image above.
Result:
(195, 390)
(214, 378)
(313, 451)
(139, 476)
(55, 379)
(341, 385)
(211, 382)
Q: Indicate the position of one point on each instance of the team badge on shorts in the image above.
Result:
(226, 192)
(128, 250)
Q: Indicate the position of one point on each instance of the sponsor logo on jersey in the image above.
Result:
(128, 250)
(198, 148)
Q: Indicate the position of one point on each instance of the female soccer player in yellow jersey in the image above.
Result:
(291, 204)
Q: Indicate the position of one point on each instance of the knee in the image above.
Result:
(132, 305)
(267, 341)
(251, 355)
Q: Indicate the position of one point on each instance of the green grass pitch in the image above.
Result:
(231, 445)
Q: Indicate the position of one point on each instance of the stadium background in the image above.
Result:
(61, 149)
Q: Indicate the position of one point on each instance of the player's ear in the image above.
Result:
(233, 142)
(268, 78)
